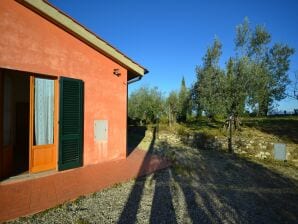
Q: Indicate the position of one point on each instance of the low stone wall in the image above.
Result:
(258, 147)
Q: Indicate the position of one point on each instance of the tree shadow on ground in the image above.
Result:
(234, 190)
(216, 187)
(284, 128)
(130, 210)
(135, 135)
(162, 210)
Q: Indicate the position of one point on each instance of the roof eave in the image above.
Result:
(48, 11)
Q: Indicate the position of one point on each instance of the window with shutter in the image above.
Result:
(71, 123)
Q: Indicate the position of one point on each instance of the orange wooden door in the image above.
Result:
(43, 133)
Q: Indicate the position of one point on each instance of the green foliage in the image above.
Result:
(178, 104)
(210, 91)
(295, 87)
(256, 77)
(172, 107)
(183, 102)
(236, 86)
(267, 66)
(242, 35)
(146, 104)
(278, 66)
(258, 42)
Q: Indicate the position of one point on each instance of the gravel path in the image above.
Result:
(201, 187)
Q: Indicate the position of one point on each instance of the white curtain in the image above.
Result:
(44, 111)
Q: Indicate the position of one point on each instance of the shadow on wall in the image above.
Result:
(216, 187)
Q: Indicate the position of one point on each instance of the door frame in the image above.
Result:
(39, 153)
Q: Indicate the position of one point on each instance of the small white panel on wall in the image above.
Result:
(101, 130)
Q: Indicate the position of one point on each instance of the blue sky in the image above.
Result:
(170, 37)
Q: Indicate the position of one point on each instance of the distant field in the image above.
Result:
(285, 128)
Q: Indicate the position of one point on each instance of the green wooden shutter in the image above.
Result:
(70, 123)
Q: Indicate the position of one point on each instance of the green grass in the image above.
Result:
(285, 128)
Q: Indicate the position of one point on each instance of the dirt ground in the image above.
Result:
(220, 187)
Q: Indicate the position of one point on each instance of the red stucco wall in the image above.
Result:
(31, 43)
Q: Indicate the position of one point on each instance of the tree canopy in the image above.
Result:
(253, 78)
(146, 104)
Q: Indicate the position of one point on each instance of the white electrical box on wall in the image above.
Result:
(101, 130)
(280, 151)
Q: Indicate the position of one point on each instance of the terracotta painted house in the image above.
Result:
(63, 101)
